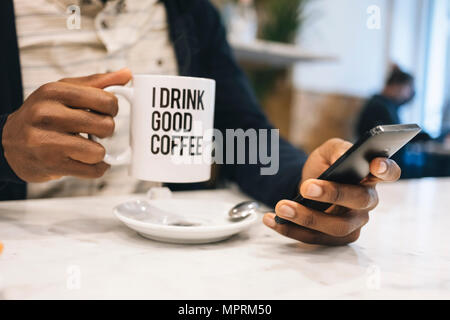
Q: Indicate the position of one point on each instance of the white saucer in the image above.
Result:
(184, 221)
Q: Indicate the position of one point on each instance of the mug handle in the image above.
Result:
(125, 156)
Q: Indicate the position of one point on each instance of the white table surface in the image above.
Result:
(404, 252)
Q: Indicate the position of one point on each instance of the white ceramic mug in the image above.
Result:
(171, 121)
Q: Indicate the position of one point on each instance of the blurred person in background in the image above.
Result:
(384, 108)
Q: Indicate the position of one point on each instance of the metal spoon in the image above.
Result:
(243, 210)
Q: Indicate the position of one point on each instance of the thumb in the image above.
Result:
(102, 80)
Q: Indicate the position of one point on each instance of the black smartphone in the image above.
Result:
(353, 166)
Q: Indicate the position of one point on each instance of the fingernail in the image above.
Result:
(286, 211)
(269, 221)
(122, 70)
(382, 167)
(313, 190)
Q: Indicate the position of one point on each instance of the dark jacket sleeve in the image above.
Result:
(237, 107)
(11, 187)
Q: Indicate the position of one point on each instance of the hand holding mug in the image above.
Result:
(41, 140)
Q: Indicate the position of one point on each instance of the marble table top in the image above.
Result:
(75, 248)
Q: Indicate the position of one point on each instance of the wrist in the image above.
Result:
(6, 172)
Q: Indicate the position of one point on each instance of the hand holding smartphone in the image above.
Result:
(354, 165)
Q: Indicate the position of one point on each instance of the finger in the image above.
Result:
(385, 169)
(68, 120)
(77, 96)
(82, 170)
(308, 236)
(103, 80)
(333, 225)
(349, 196)
(333, 149)
(83, 150)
